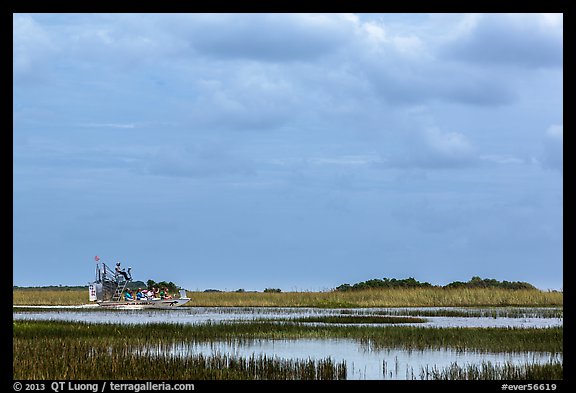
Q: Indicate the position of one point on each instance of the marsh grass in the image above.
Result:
(398, 297)
(463, 339)
(375, 337)
(75, 350)
(37, 297)
(391, 297)
(346, 319)
(552, 370)
(492, 312)
(74, 358)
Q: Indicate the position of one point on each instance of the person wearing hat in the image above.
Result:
(120, 271)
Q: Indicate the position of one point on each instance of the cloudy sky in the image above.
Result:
(293, 151)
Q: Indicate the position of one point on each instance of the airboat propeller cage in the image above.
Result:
(105, 285)
(108, 289)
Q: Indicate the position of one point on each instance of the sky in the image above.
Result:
(291, 151)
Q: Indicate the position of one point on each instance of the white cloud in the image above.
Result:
(448, 144)
(427, 148)
(31, 45)
(345, 160)
(502, 159)
(108, 125)
(553, 155)
(556, 132)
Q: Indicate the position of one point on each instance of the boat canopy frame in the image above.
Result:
(109, 284)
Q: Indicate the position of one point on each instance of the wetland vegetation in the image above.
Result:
(52, 349)
(77, 350)
(385, 297)
(552, 370)
(357, 319)
(407, 337)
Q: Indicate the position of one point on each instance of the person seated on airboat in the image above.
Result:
(164, 294)
(128, 295)
(122, 272)
(140, 295)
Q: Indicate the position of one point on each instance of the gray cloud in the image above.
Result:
(32, 46)
(265, 37)
(360, 141)
(526, 40)
(415, 81)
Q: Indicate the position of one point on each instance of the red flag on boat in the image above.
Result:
(97, 258)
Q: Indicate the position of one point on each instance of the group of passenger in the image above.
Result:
(147, 294)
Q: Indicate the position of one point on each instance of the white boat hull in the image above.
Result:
(152, 303)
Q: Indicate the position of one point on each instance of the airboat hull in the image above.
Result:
(138, 304)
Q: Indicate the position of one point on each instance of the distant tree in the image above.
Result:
(136, 284)
(477, 282)
(172, 288)
(275, 290)
(455, 284)
(410, 282)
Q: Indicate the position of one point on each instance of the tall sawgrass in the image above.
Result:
(71, 350)
(40, 297)
(339, 319)
(392, 297)
(395, 297)
(408, 337)
(553, 370)
(73, 358)
(489, 312)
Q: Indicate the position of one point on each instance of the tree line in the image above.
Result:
(410, 282)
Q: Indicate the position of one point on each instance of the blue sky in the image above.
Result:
(292, 151)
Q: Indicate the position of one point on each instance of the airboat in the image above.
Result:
(108, 289)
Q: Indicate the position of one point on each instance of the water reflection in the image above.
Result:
(362, 361)
(522, 317)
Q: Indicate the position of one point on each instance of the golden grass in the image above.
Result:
(39, 297)
(397, 297)
(383, 298)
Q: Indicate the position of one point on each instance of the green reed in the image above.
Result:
(408, 337)
(357, 319)
(75, 358)
(478, 339)
(501, 312)
(77, 350)
(553, 370)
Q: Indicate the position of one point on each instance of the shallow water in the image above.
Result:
(195, 315)
(362, 362)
